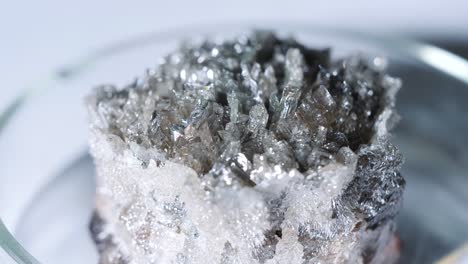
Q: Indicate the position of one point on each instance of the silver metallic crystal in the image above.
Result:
(255, 150)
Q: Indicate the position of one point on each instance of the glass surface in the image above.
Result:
(46, 175)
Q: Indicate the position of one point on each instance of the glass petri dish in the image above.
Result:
(47, 177)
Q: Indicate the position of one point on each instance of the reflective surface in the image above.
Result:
(432, 136)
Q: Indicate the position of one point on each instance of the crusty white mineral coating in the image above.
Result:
(197, 192)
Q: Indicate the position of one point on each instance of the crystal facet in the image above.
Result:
(254, 150)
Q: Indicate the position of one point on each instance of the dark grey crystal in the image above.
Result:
(255, 113)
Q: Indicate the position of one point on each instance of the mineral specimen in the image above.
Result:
(255, 150)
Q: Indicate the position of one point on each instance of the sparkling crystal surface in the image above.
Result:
(254, 150)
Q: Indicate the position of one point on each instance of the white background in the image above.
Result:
(38, 36)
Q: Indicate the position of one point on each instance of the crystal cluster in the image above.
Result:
(253, 150)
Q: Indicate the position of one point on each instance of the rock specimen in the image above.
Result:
(254, 150)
